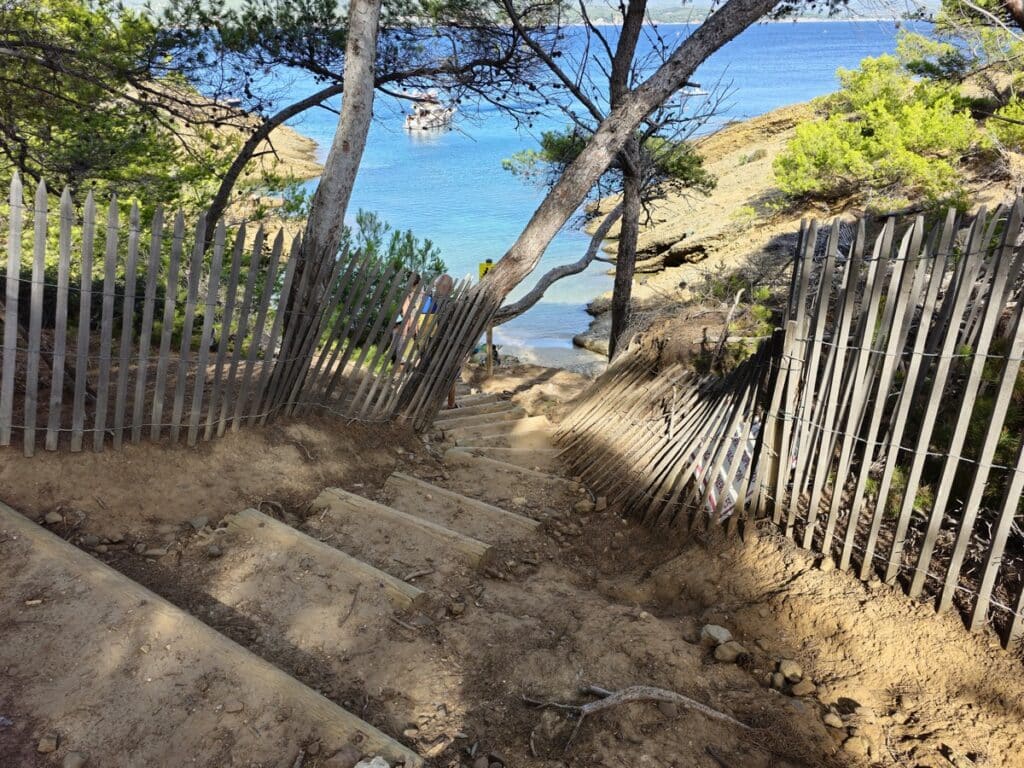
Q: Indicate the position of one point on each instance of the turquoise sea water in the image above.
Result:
(451, 188)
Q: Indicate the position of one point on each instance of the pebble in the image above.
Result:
(75, 760)
(791, 670)
(482, 762)
(139, 548)
(346, 757)
(804, 688)
(857, 745)
(832, 720)
(214, 551)
(713, 634)
(90, 540)
(233, 706)
(601, 504)
(313, 748)
(584, 507)
(730, 651)
(48, 743)
(102, 549)
(827, 564)
(155, 552)
(519, 501)
(457, 609)
(377, 762)
(411, 733)
(198, 523)
(778, 681)
(52, 518)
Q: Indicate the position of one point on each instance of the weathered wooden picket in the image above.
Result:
(883, 425)
(177, 339)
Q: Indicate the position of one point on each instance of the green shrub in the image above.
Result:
(1008, 125)
(886, 138)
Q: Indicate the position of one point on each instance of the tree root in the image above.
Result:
(608, 699)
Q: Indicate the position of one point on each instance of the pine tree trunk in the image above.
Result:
(579, 178)
(625, 261)
(629, 230)
(323, 231)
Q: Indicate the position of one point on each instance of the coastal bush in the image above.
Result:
(887, 139)
(1008, 125)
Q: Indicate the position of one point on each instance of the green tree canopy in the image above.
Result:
(88, 100)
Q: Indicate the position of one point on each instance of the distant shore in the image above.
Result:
(796, 20)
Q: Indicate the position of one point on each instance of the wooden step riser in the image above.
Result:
(470, 516)
(541, 459)
(284, 538)
(529, 424)
(521, 441)
(482, 420)
(475, 410)
(500, 483)
(184, 661)
(391, 533)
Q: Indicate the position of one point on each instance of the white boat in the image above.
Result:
(428, 113)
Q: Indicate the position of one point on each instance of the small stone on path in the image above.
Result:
(53, 518)
(601, 504)
(791, 670)
(48, 743)
(233, 706)
(730, 651)
(832, 720)
(377, 762)
(857, 745)
(75, 760)
(346, 757)
(804, 688)
(713, 634)
(584, 507)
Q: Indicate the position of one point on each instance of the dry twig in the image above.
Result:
(609, 699)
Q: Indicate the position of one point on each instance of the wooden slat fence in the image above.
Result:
(117, 330)
(882, 426)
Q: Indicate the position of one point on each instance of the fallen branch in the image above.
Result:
(305, 451)
(510, 311)
(351, 607)
(418, 574)
(609, 699)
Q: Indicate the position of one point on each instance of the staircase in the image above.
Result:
(343, 600)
